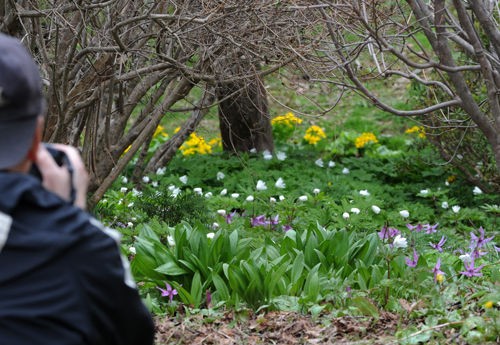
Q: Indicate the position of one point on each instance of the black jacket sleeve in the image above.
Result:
(115, 309)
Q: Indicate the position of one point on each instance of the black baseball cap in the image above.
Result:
(21, 100)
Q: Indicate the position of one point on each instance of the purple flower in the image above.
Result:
(416, 228)
(429, 229)
(387, 232)
(412, 262)
(287, 227)
(479, 241)
(229, 217)
(439, 245)
(349, 291)
(437, 270)
(208, 296)
(168, 292)
(274, 220)
(258, 220)
(470, 270)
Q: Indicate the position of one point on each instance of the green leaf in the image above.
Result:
(297, 268)
(171, 268)
(221, 287)
(196, 290)
(365, 306)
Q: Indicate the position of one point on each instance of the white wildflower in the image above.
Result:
(444, 204)
(161, 171)
(235, 195)
(319, 162)
(145, 179)
(455, 208)
(176, 192)
(132, 250)
(375, 209)
(223, 192)
(250, 198)
(261, 185)
(267, 155)
(316, 191)
(424, 191)
(303, 198)
(345, 215)
(404, 213)
(198, 191)
(477, 190)
(220, 176)
(208, 195)
(466, 258)
(272, 200)
(331, 164)
(355, 210)
(183, 179)
(364, 192)
(124, 179)
(280, 183)
(399, 242)
(345, 171)
(221, 212)
(124, 190)
(280, 155)
(281, 197)
(210, 235)
(170, 240)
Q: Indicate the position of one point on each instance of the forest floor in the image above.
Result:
(286, 328)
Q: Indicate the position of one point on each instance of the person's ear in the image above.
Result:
(37, 139)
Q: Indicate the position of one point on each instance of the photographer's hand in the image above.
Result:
(57, 178)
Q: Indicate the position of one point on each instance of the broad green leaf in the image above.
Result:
(171, 268)
(365, 306)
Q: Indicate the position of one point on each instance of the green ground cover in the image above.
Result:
(356, 217)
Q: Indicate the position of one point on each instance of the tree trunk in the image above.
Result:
(244, 117)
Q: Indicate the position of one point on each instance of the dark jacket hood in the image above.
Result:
(19, 188)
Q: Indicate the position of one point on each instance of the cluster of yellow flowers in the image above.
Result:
(288, 120)
(314, 134)
(417, 129)
(364, 139)
(195, 144)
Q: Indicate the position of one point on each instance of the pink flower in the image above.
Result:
(168, 292)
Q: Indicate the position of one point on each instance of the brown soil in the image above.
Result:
(277, 328)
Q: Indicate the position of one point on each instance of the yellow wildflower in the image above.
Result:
(439, 278)
(160, 131)
(488, 305)
(451, 178)
(195, 144)
(215, 142)
(364, 139)
(287, 120)
(417, 129)
(314, 134)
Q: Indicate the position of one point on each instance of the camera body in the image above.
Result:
(61, 159)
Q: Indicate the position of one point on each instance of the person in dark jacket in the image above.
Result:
(62, 277)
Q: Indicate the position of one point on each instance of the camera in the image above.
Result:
(61, 159)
